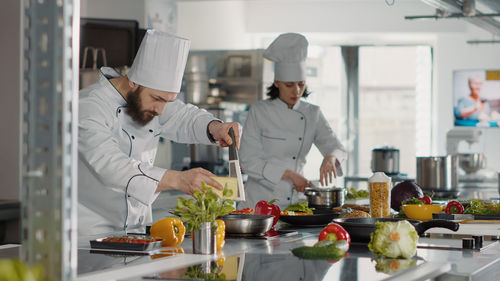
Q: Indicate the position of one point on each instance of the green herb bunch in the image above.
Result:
(206, 206)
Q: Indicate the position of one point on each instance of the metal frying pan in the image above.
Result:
(361, 228)
(318, 218)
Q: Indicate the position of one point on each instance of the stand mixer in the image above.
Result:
(470, 162)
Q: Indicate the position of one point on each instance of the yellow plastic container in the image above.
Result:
(421, 212)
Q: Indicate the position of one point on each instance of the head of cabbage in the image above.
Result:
(394, 239)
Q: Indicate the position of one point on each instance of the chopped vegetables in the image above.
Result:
(412, 201)
(299, 207)
(247, 211)
(454, 207)
(483, 208)
(353, 193)
(130, 239)
(394, 239)
(292, 213)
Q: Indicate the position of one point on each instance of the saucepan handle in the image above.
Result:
(424, 226)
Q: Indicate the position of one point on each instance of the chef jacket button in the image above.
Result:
(151, 161)
(119, 111)
(288, 198)
(301, 118)
(150, 130)
(133, 137)
(128, 196)
(294, 158)
(300, 138)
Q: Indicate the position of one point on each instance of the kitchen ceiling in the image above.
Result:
(458, 9)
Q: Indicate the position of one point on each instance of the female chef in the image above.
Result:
(279, 131)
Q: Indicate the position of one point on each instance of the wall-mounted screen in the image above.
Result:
(476, 97)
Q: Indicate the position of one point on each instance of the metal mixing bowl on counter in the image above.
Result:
(247, 224)
(471, 162)
(325, 197)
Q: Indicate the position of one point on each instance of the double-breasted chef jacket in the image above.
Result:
(276, 138)
(116, 178)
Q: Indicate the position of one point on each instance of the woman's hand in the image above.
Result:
(300, 183)
(327, 171)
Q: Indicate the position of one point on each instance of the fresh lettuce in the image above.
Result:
(394, 239)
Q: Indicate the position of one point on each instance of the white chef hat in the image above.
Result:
(160, 61)
(288, 52)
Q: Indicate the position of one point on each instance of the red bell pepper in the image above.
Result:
(454, 207)
(334, 232)
(268, 208)
(426, 199)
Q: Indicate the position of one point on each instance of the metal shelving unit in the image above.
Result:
(49, 135)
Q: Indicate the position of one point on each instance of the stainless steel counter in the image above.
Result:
(261, 259)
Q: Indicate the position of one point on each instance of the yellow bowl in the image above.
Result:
(421, 212)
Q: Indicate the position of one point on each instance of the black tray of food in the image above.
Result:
(126, 243)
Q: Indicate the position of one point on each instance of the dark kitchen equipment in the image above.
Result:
(320, 217)
(361, 228)
(385, 159)
(247, 224)
(325, 197)
(437, 173)
(118, 37)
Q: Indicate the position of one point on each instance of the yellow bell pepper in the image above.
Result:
(170, 230)
(220, 234)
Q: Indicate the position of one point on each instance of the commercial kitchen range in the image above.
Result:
(439, 257)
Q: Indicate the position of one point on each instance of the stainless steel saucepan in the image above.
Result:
(325, 197)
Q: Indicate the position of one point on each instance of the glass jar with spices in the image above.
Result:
(380, 195)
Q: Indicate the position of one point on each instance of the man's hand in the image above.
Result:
(327, 170)
(187, 181)
(220, 132)
(300, 183)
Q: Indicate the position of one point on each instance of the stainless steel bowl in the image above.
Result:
(325, 197)
(471, 162)
(247, 224)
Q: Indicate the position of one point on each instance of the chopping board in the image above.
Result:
(466, 228)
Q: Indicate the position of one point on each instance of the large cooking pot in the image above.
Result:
(385, 159)
(437, 173)
(360, 228)
(325, 197)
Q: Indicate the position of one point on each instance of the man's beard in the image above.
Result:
(134, 108)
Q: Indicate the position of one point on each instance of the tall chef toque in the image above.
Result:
(288, 52)
(160, 61)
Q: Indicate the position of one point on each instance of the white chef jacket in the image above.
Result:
(116, 178)
(276, 138)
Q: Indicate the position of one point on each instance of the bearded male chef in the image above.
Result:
(121, 119)
(279, 132)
